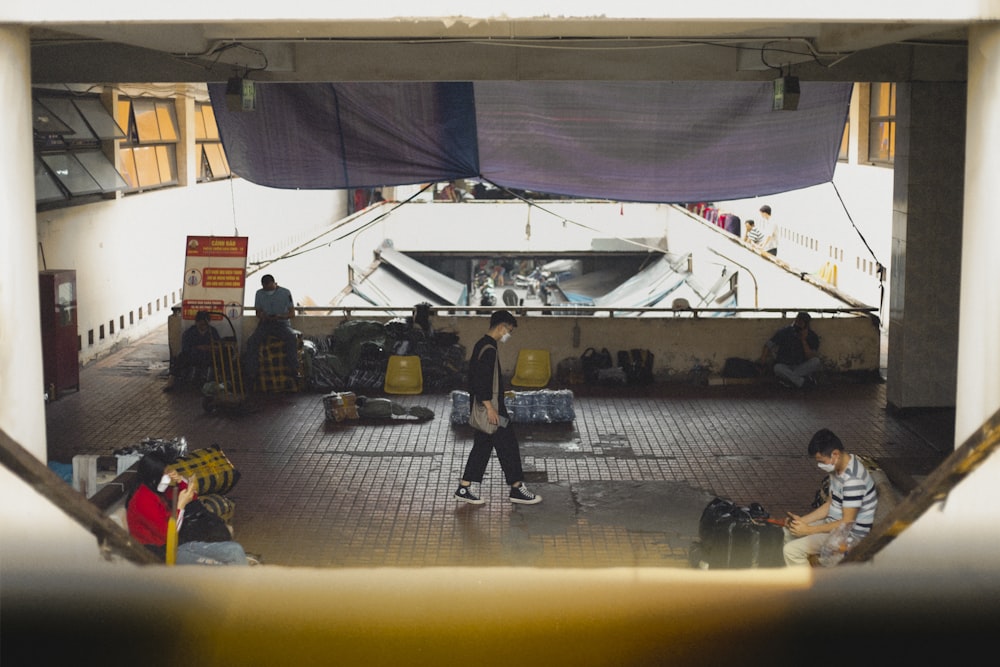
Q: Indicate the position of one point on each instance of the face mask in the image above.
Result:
(164, 483)
(504, 338)
(825, 467)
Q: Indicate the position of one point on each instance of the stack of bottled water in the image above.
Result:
(545, 406)
(460, 407)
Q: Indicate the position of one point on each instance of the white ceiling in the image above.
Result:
(678, 46)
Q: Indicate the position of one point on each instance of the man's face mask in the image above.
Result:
(828, 467)
(504, 338)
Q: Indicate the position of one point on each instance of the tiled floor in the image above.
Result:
(624, 484)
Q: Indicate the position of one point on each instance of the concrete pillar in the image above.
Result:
(33, 530)
(978, 392)
(926, 244)
(22, 405)
(963, 531)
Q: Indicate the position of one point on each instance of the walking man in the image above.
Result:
(484, 365)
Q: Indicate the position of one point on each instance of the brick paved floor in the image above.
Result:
(624, 484)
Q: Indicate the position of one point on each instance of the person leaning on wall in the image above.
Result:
(795, 350)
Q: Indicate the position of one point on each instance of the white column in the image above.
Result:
(22, 406)
(963, 532)
(978, 391)
(34, 533)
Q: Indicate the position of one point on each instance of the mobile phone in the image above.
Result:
(503, 421)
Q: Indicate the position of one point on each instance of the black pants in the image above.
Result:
(190, 360)
(505, 443)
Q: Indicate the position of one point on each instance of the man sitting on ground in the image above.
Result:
(196, 350)
(853, 499)
(795, 350)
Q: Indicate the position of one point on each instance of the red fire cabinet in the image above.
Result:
(60, 345)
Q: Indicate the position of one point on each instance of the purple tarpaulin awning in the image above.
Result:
(628, 141)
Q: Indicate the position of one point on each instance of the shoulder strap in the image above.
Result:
(496, 378)
(496, 371)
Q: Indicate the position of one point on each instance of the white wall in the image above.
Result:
(129, 253)
(816, 227)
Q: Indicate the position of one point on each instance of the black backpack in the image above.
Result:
(736, 367)
(593, 362)
(638, 365)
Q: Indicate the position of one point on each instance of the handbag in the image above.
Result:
(200, 525)
(478, 416)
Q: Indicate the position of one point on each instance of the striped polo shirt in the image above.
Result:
(854, 488)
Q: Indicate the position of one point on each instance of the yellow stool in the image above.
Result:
(534, 368)
(403, 375)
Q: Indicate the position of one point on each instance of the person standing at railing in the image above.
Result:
(770, 242)
(753, 234)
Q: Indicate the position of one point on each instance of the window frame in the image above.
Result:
(73, 136)
(212, 162)
(148, 152)
(882, 123)
(844, 153)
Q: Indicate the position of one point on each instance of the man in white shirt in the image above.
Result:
(770, 243)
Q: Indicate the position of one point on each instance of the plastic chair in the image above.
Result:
(403, 375)
(533, 369)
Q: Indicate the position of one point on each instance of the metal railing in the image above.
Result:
(570, 310)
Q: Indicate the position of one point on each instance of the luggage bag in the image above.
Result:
(734, 537)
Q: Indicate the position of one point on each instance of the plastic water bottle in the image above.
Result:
(837, 545)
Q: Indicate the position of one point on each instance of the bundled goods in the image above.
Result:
(340, 405)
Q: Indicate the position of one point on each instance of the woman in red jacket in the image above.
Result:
(149, 511)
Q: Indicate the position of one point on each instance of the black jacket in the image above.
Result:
(481, 373)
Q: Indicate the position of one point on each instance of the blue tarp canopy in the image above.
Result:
(625, 141)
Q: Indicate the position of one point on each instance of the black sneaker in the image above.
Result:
(465, 494)
(521, 496)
